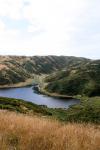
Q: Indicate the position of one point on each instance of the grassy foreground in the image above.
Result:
(22, 132)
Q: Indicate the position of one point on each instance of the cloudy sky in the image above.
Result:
(50, 27)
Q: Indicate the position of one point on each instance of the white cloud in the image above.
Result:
(55, 27)
(11, 8)
(2, 26)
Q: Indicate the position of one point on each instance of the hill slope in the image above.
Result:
(76, 80)
(15, 69)
(23, 132)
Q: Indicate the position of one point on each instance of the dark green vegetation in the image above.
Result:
(21, 106)
(14, 69)
(77, 80)
(87, 111)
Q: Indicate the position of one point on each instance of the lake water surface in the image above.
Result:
(28, 94)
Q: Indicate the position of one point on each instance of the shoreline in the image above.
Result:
(18, 85)
(55, 95)
(41, 90)
(29, 82)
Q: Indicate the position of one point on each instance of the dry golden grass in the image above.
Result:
(20, 132)
(2, 66)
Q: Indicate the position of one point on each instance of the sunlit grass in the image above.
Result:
(22, 132)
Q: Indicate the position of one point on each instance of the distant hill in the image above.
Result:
(76, 80)
(15, 69)
(66, 74)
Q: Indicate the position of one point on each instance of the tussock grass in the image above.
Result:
(22, 132)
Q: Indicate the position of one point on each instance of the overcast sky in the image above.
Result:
(50, 27)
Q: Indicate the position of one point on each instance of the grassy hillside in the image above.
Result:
(81, 80)
(22, 106)
(23, 132)
(15, 69)
(24, 125)
(87, 111)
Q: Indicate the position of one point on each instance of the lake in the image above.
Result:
(28, 94)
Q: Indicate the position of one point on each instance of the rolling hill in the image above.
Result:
(66, 75)
(15, 69)
(76, 80)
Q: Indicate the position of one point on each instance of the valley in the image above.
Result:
(65, 105)
(15, 69)
(61, 78)
(49, 75)
(56, 75)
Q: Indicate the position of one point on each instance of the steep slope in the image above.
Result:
(15, 69)
(81, 80)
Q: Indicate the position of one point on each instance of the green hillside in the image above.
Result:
(81, 80)
(21, 106)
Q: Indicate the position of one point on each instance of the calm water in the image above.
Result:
(27, 93)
